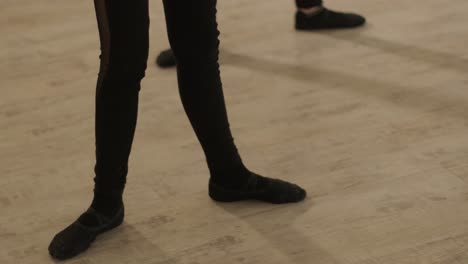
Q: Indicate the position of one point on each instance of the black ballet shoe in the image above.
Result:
(166, 59)
(259, 188)
(328, 19)
(78, 236)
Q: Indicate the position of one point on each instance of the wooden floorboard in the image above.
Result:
(372, 122)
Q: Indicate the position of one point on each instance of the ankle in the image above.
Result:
(310, 11)
(107, 205)
(231, 180)
(229, 183)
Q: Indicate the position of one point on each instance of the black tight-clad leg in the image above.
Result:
(195, 43)
(123, 30)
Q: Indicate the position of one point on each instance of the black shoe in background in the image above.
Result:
(166, 59)
(328, 19)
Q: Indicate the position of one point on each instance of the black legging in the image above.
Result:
(193, 35)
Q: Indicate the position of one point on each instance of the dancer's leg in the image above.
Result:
(123, 29)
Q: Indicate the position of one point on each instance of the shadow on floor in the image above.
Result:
(276, 224)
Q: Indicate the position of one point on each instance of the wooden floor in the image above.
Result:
(372, 122)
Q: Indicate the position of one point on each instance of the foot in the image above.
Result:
(166, 59)
(259, 188)
(78, 236)
(328, 19)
